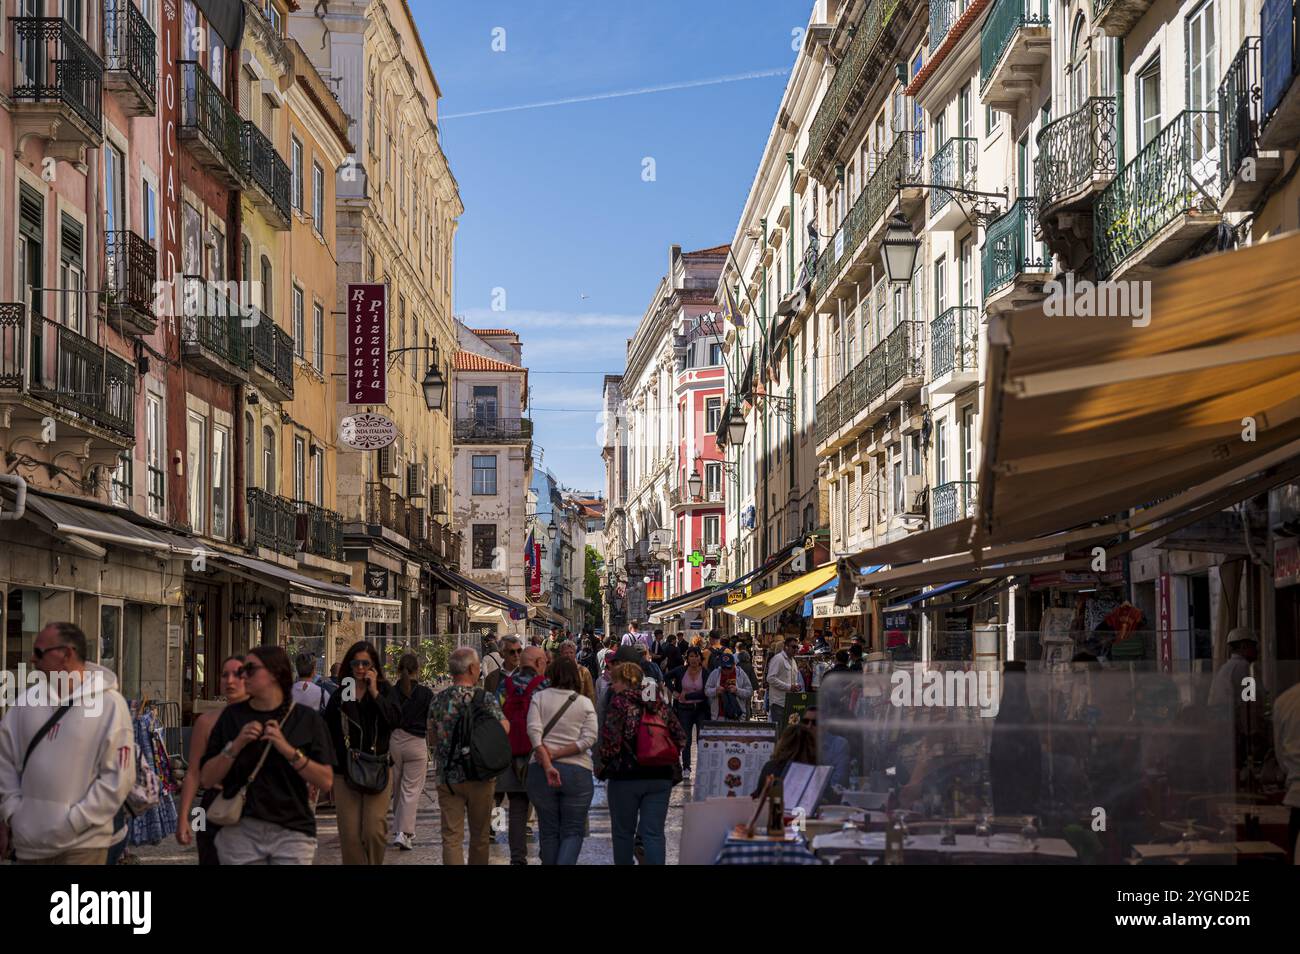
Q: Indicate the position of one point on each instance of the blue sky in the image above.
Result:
(556, 206)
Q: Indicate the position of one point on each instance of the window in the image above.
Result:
(250, 459)
(268, 303)
(273, 15)
(941, 285)
(712, 414)
(196, 456)
(941, 453)
(120, 488)
(31, 246)
(318, 197)
(269, 473)
(899, 505)
(299, 331)
(485, 403)
(295, 172)
(1202, 88)
(715, 353)
(114, 189)
(968, 444)
(318, 477)
(1148, 96)
(485, 474)
(1078, 65)
(914, 454)
(712, 479)
(318, 337)
(155, 456)
(712, 532)
(220, 481)
(149, 211)
(299, 469)
(991, 118)
(72, 280)
(484, 537)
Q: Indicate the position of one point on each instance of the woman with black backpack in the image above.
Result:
(361, 718)
(640, 747)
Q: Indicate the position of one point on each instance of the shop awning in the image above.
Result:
(909, 602)
(545, 616)
(478, 591)
(679, 604)
(762, 605)
(1087, 417)
(63, 518)
(829, 591)
(719, 596)
(316, 594)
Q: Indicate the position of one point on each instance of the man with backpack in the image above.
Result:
(516, 695)
(469, 738)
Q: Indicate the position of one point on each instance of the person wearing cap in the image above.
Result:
(1229, 687)
(728, 690)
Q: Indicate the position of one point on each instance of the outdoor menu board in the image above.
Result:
(729, 757)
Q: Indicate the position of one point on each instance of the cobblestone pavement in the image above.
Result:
(596, 850)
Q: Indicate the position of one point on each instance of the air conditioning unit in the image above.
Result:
(438, 499)
(417, 480)
(388, 461)
(914, 495)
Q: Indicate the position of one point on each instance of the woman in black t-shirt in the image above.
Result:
(278, 825)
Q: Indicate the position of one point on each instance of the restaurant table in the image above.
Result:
(1002, 848)
(762, 851)
(1210, 852)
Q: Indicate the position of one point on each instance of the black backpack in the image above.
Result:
(479, 744)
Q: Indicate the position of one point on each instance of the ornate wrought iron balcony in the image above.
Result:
(473, 429)
(213, 334)
(952, 501)
(1175, 174)
(131, 267)
(1004, 21)
(267, 173)
(1010, 249)
(943, 14)
(955, 341)
(1240, 109)
(901, 164)
(1076, 153)
(131, 62)
(864, 49)
(64, 370)
(56, 70)
(953, 165)
(272, 522)
(271, 356)
(210, 124)
(898, 359)
(318, 531)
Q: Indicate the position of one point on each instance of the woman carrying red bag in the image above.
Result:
(640, 748)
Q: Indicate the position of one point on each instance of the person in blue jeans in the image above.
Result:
(690, 702)
(562, 730)
(638, 792)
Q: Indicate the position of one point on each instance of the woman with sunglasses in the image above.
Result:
(272, 750)
(361, 718)
(232, 688)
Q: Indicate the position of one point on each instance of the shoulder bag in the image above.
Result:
(227, 811)
(367, 772)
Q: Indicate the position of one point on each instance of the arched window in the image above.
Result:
(270, 475)
(1078, 64)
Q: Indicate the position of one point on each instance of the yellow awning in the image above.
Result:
(765, 604)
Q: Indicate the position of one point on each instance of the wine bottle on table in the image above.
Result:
(776, 809)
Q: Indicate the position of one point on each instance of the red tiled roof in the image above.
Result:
(716, 250)
(955, 33)
(491, 331)
(469, 361)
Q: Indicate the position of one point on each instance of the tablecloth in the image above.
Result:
(742, 851)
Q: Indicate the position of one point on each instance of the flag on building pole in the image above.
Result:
(729, 310)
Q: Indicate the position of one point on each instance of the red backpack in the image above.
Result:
(516, 713)
(654, 743)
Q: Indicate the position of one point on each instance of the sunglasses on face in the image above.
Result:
(246, 670)
(362, 664)
(40, 653)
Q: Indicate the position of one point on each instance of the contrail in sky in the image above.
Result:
(688, 84)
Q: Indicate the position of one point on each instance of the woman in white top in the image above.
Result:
(562, 730)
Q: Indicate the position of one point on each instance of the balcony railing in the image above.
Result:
(264, 168)
(206, 113)
(129, 46)
(899, 356)
(318, 531)
(385, 508)
(866, 41)
(53, 64)
(272, 522)
(1240, 102)
(214, 322)
(953, 165)
(951, 502)
(901, 164)
(472, 428)
(272, 351)
(1010, 249)
(132, 266)
(943, 14)
(1004, 20)
(1175, 173)
(1075, 150)
(61, 367)
(955, 340)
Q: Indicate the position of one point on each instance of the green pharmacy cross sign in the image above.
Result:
(696, 558)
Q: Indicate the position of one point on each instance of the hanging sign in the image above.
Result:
(367, 343)
(367, 431)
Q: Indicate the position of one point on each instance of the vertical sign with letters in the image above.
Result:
(367, 343)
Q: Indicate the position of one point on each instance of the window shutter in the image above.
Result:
(72, 241)
(32, 212)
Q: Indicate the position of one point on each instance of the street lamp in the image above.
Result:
(695, 483)
(434, 386)
(736, 428)
(899, 249)
(550, 529)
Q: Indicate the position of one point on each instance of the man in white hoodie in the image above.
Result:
(61, 785)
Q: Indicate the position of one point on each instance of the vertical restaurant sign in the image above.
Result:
(367, 343)
(1166, 622)
(168, 116)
